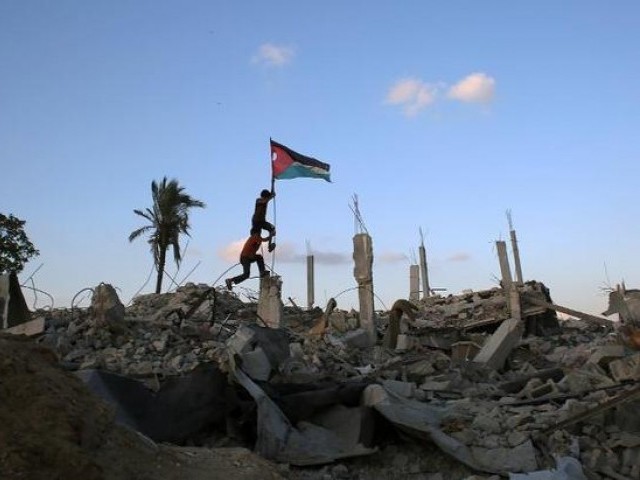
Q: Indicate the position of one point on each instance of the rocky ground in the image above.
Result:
(507, 419)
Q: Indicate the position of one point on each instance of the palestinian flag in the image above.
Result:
(286, 164)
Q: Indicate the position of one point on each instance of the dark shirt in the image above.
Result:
(260, 213)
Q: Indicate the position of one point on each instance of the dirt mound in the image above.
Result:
(52, 427)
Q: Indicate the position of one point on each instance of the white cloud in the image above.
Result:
(459, 257)
(286, 252)
(331, 258)
(272, 55)
(231, 251)
(412, 94)
(392, 257)
(476, 88)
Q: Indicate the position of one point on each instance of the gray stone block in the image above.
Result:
(256, 365)
(404, 389)
(242, 341)
(495, 352)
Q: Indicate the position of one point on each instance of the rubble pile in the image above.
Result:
(152, 336)
(473, 388)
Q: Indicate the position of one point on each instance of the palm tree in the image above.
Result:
(168, 218)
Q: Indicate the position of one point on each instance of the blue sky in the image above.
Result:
(438, 115)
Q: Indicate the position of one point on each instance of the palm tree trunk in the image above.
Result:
(161, 262)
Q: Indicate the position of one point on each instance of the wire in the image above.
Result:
(143, 285)
(76, 295)
(31, 276)
(41, 291)
(223, 273)
(358, 287)
(186, 276)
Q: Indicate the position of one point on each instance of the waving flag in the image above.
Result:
(288, 164)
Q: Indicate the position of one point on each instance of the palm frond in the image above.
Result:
(136, 233)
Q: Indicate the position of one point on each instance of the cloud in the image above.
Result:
(231, 251)
(474, 88)
(459, 257)
(287, 253)
(271, 55)
(332, 258)
(412, 94)
(392, 257)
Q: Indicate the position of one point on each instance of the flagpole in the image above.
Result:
(273, 186)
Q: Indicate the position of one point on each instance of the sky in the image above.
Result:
(438, 116)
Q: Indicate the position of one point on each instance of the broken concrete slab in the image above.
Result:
(420, 420)
(306, 444)
(29, 328)
(567, 468)
(242, 341)
(354, 425)
(627, 368)
(256, 364)
(513, 386)
(404, 389)
(274, 343)
(517, 459)
(605, 354)
(496, 350)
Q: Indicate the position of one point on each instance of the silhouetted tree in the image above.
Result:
(15, 247)
(168, 218)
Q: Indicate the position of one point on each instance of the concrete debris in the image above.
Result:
(567, 468)
(304, 444)
(28, 328)
(537, 398)
(498, 347)
(626, 303)
(106, 306)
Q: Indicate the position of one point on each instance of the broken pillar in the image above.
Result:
(363, 273)
(106, 307)
(426, 290)
(414, 283)
(270, 302)
(516, 257)
(497, 348)
(399, 308)
(310, 282)
(505, 271)
(13, 307)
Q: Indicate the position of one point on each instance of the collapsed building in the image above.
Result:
(481, 385)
